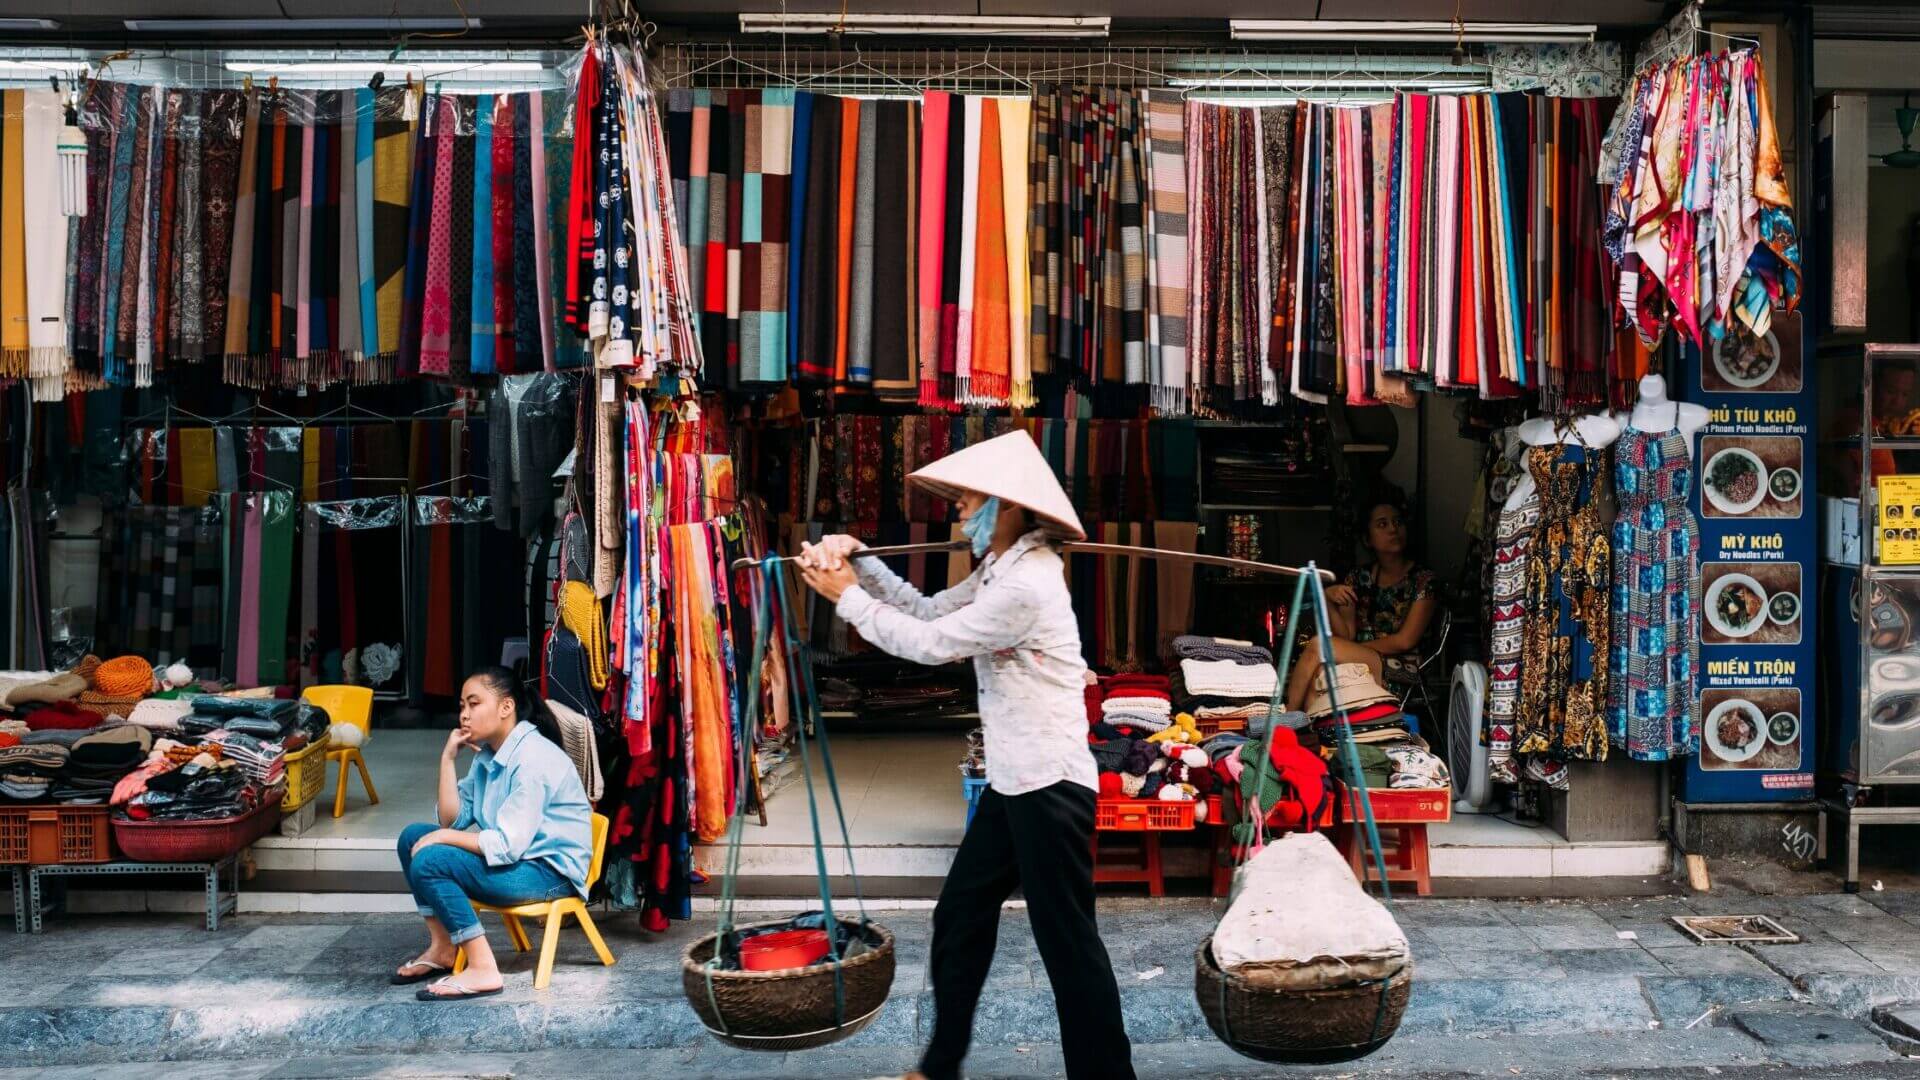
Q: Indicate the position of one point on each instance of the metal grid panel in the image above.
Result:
(896, 70)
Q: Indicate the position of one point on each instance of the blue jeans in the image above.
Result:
(445, 880)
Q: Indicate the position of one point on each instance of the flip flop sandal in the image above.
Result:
(397, 979)
(466, 993)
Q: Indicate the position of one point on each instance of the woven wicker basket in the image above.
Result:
(791, 1009)
(1303, 1027)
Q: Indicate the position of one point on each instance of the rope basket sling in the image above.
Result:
(794, 1008)
(1341, 1019)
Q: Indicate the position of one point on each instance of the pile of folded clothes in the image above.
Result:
(1132, 704)
(1224, 683)
(202, 789)
(1388, 754)
(255, 734)
(52, 762)
(1369, 709)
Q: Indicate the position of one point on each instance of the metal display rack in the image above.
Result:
(1871, 758)
(219, 902)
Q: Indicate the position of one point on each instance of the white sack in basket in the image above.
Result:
(1299, 921)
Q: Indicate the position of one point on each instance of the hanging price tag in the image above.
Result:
(608, 395)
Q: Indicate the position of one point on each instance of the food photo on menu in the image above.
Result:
(1750, 603)
(1767, 364)
(1750, 729)
(1752, 476)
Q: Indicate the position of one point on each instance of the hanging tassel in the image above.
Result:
(73, 167)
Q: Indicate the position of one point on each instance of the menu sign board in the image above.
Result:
(1758, 548)
(1897, 520)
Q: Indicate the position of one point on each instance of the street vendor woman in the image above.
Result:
(1013, 617)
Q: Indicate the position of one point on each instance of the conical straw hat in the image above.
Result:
(1009, 467)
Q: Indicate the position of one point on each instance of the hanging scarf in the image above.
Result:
(437, 302)
(861, 277)
(45, 244)
(989, 364)
(930, 250)
(820, 248)
(482, 327)
(1168, 224)
(894, 229)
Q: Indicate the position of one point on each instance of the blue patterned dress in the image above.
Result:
(1656, 590)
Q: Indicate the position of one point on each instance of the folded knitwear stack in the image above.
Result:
(72, 766)
(1143, 703)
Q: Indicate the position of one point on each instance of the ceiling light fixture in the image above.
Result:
(40, 67)
(367, 67)
(297, 26)
(1026, 26)
(1282, 85)
(29, 24)
(1367, 30)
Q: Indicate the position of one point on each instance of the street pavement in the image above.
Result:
(1563, 988)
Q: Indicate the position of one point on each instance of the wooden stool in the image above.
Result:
(1136, 865)
(1403, 846)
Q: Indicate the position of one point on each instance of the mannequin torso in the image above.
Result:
(1655, 414)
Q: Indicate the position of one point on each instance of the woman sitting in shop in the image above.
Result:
(1033, 828)
(516, 829)
(1378, 612)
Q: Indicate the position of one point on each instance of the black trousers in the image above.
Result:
(1040, 841)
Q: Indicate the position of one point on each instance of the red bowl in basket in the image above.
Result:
(782, 950)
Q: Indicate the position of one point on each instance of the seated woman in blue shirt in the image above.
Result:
(517, 829)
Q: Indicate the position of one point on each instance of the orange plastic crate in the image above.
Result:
(1142, 815)
(1214, 725)
(42, 835)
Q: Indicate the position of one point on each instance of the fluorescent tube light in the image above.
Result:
(1344, 30)
(368, 67)
(40, 67)
(29, 24)
(1282, 85)
(1026, 26)
(296, 26)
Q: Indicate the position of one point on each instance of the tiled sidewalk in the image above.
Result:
(132, 988)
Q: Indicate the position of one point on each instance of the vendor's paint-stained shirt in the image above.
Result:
(1013, 617)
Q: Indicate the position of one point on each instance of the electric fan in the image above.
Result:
(1466, 753)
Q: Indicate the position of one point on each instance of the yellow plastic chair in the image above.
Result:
(555, 913)
(346, 705)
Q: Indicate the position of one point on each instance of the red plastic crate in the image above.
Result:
(1404, 805)
(196, 841)
(42, 835)
(1142, 815)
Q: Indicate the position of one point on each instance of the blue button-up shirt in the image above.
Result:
(528, 804)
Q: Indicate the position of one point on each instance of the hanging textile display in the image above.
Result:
(257, 589)
(351, 630)
(457, 622)
(160, 566)
(627, 287)
(1698, 216)
(278, 231)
